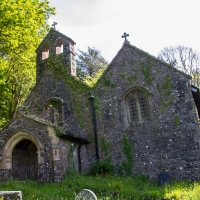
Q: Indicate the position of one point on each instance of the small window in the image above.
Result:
(59, 46)
(137, 106)
(53, 112)
(45, 52)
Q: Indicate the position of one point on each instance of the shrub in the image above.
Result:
(102, 167)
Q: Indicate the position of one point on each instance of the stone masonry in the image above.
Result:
(138, 96)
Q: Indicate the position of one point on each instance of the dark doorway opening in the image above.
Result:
(25, 160)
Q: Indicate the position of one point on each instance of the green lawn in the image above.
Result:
(105, 188)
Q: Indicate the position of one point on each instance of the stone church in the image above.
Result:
(62, 121)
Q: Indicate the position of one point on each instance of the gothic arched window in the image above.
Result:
(45, 51)
(53, 112)
(59, 46)
(137, 106)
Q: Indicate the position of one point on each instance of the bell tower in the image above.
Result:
(55, 46)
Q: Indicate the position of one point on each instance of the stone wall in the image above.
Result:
(76, 124)
(169, 141)
(27, 129)
(5, 174)
(164, 132)
(76, 108)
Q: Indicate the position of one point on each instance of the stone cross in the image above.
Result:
(125, 36)
(54, 25)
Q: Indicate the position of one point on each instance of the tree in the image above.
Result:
(23, 23)
(184, 59)
(89, 63)
(91, 81)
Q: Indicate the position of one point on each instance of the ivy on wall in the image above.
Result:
(59, 131)
(176, 118)
(77, 88)
(130, 79)
(127, 149)
(146, 70)
(166, 96)
(107, 82)
(71, 170)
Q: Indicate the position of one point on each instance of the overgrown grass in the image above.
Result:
(105, 187)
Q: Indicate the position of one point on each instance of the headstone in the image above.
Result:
(86, 194)
(11, 195)
(163, 178)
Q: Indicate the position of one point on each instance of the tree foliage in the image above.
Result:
(23, 23)
(91, 81)
(89, 63)
(184, 59)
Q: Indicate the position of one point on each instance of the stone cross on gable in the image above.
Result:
(54, 25)
(125, 36)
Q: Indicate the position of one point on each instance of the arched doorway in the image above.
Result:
(25, 160)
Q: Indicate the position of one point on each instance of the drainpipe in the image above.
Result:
(95, 126)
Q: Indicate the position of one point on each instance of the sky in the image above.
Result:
(151, 24)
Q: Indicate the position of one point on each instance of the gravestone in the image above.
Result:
(163, 178)
(11, 195)
(86, 194)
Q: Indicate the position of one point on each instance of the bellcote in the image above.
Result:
(56, 44)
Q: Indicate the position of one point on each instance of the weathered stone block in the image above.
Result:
(11, 195)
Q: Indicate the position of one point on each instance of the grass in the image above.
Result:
(105, 188)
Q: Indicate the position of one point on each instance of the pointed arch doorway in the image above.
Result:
(25, 160)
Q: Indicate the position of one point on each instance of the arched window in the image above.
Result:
(59, 46)
(45, 52)
(137, 106)
(53, 112)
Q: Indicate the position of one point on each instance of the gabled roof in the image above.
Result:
(54, 31)
(126, 43)
(20, 114)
